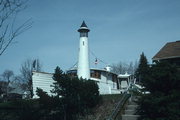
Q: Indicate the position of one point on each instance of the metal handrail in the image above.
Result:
(119, 107)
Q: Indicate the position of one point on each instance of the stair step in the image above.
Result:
(130, 112)
(130, 117)
(132, 107)
(132, 103)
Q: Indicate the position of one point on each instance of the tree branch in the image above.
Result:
(8, 13)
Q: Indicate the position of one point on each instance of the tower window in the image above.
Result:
(83, 43)
(83, 34)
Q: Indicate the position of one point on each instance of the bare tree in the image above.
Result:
(8, 76)
(122, 68)
(136, 63)
(18, 79)
(3, 87)
(8, 30)
(26, 70)
(130, 68)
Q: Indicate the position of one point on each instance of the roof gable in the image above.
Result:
(170, 50)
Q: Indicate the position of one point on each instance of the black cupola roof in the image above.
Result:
(83, 28)
(83, 24)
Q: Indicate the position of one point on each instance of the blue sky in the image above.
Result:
(120, 31)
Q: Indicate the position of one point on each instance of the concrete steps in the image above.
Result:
(130, 112)
(131, 107)
(130, 117)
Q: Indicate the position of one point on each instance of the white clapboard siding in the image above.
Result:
(43, 81)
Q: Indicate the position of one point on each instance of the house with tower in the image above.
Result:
(108, 82)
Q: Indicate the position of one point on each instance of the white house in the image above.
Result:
(107, 81)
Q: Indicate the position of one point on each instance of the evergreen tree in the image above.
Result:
(143, 69)
(72, 97)
(163, 83)
(77, 95)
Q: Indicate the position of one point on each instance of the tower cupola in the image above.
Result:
(83, 30)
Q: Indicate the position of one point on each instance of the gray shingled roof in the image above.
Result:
(170, 50)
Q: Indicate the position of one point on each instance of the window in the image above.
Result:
(96, 74)
(72, 73)
(83, 34)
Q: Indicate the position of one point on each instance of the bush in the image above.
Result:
(73, 97)
(162, 103)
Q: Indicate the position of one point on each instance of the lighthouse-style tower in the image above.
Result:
(83, 69)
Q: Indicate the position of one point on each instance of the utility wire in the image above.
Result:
(73, 66)
(92, 53)
(98, 58)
